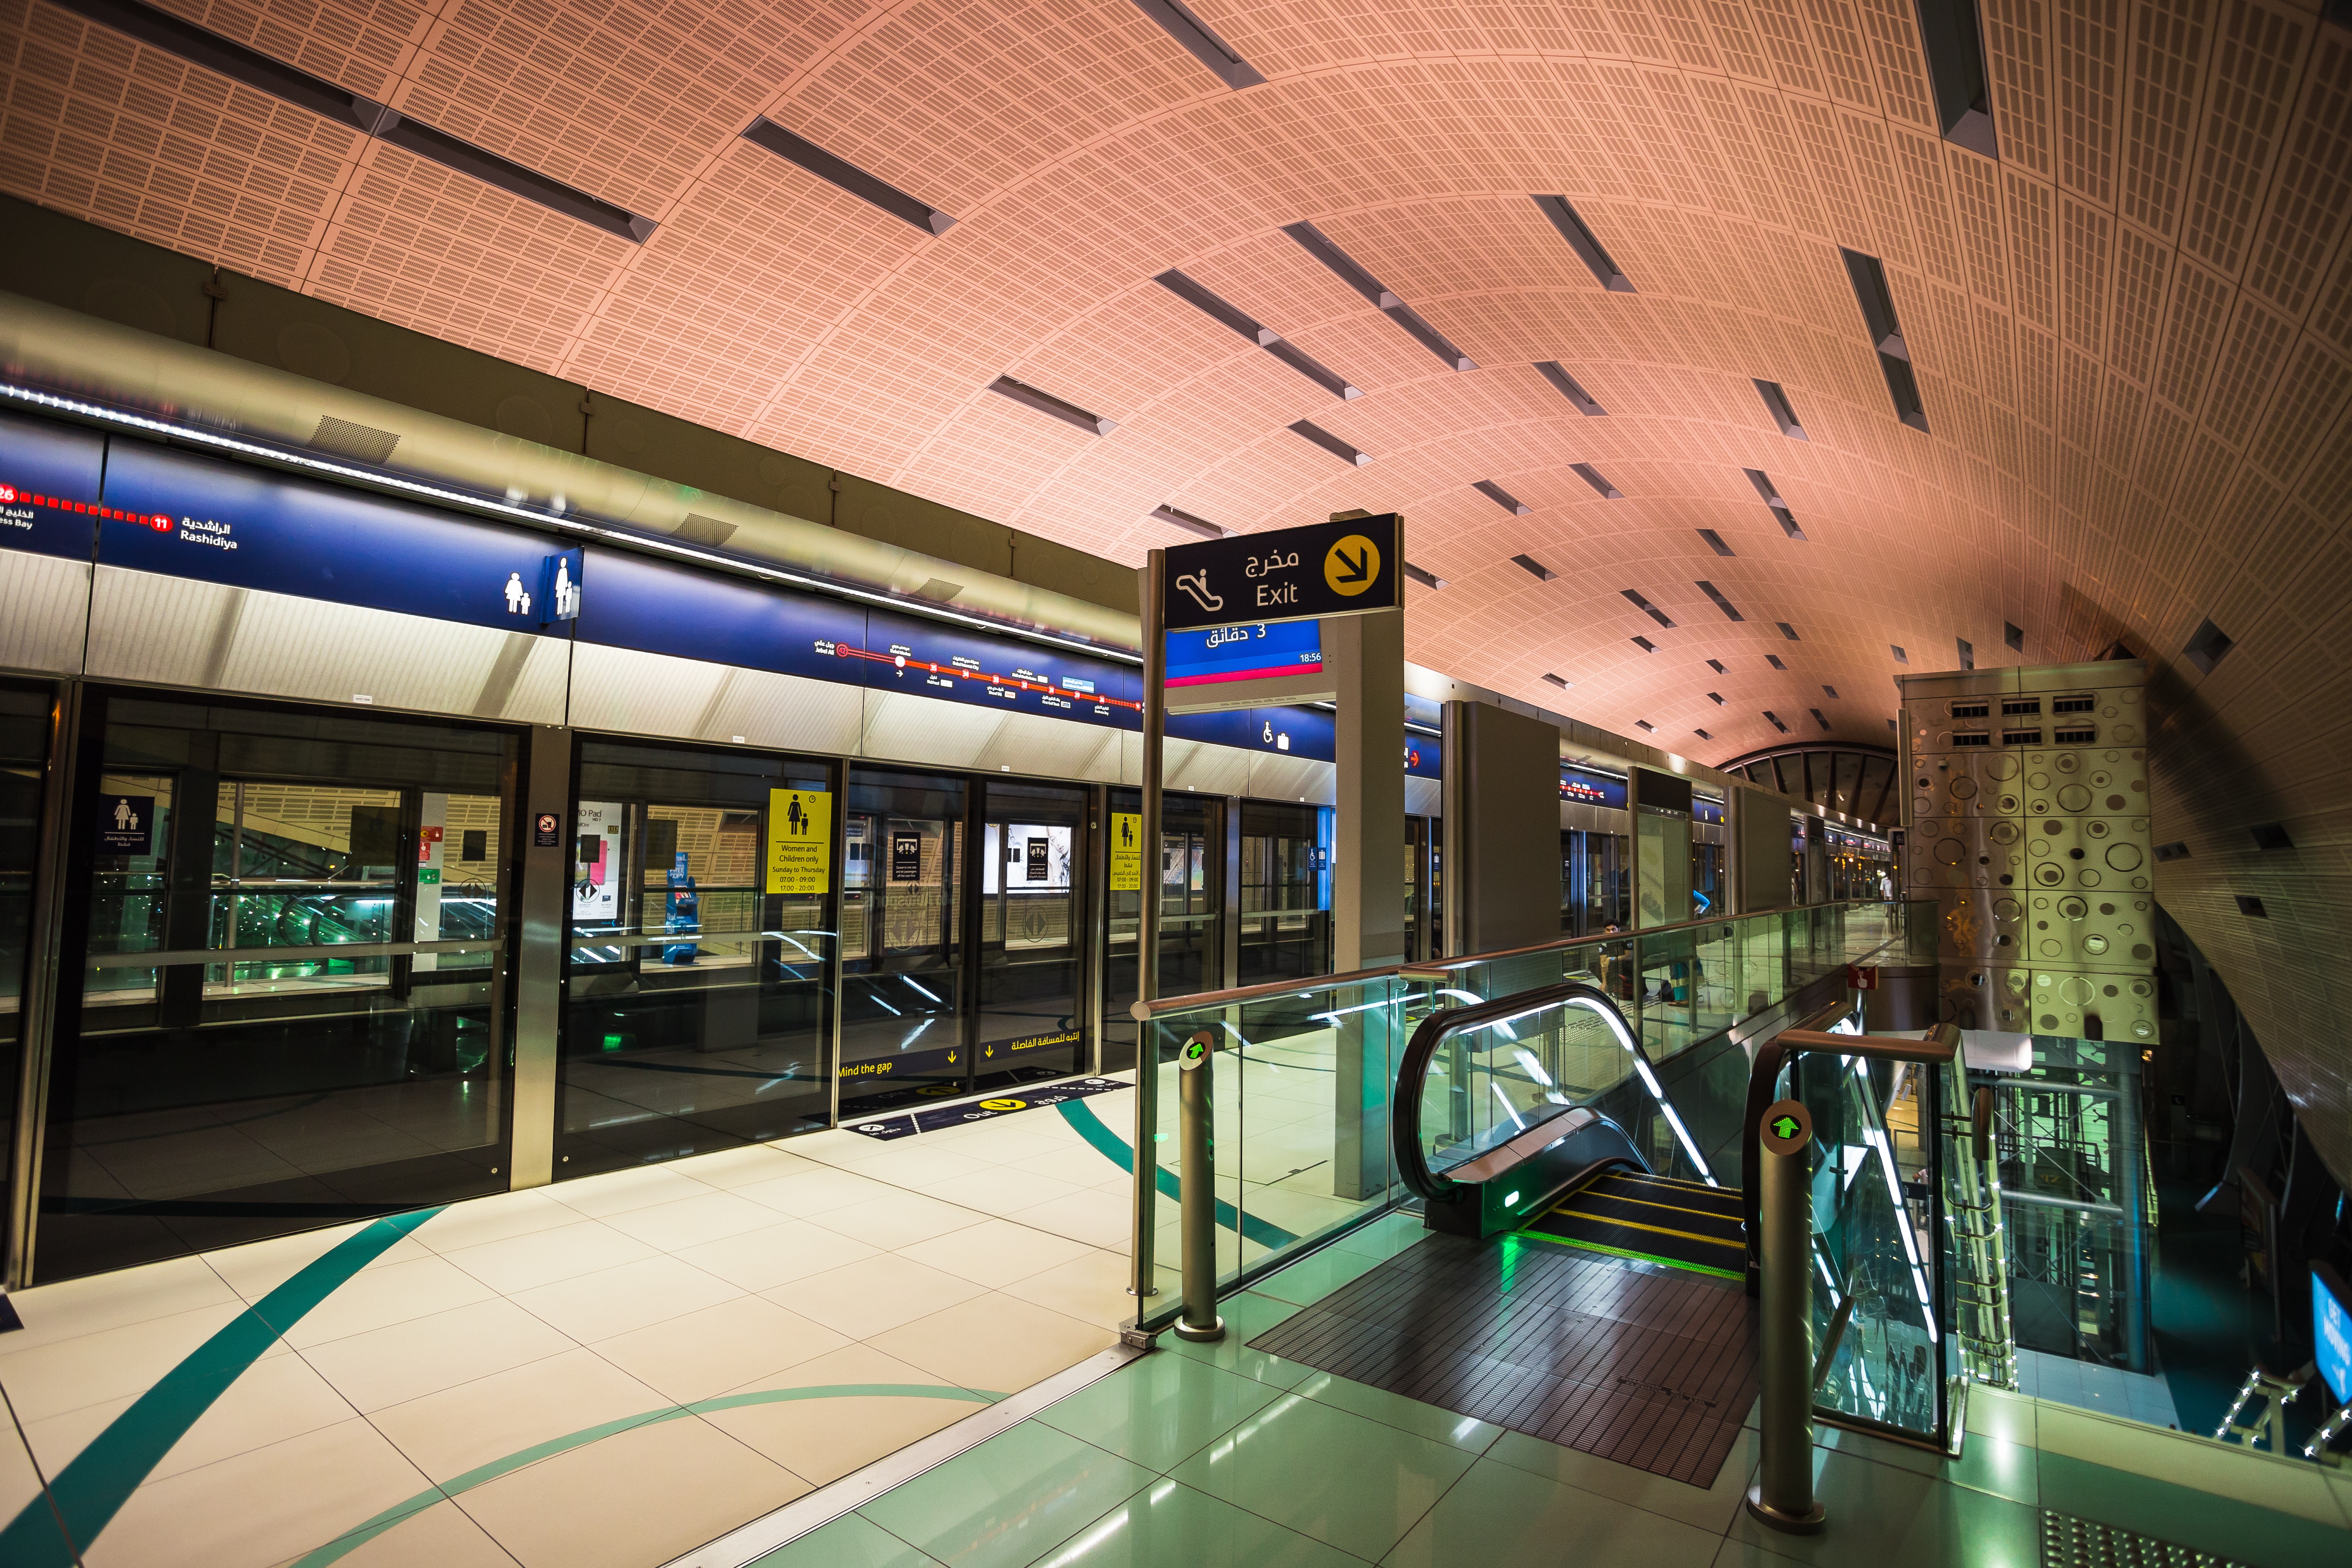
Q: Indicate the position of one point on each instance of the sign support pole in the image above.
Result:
(1147, 926)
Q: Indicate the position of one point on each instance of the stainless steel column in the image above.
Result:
(46, 948)
(1154, 582)
(1198, 1222)
(540, 912)
(1783, 1494)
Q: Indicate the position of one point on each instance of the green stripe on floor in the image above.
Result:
(1112, 1147)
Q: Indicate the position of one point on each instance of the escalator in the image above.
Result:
(1651, 1220)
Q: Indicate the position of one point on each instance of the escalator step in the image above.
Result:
(1684, 1225)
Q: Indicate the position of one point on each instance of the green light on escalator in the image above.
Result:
(1511, 1201)
(614, 1042)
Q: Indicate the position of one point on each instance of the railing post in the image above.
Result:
(1197, 1213)
(1783, 1494)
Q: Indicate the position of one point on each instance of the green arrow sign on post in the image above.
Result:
(1786, 1126)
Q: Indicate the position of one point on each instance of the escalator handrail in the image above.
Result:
(1412, 1072)
(1809, 1034)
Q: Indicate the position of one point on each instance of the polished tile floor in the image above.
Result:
(1225, 1456)
(609, 1371)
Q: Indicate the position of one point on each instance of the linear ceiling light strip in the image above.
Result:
(1589, 250)
(871, 189)
(1187, 523)
(1502, 497)
(1200, 41)
(227, 58)
(1334, 445)
(1053, 408)
(1565, 385)
(1225, 313)
(1342, 266)
(485, 506)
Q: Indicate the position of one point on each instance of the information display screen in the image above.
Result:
(1260, 651)
(2331, 1334)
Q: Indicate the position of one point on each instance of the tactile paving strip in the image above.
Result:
(1649, 1366)
(2070, 1542)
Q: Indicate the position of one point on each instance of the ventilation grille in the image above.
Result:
(1971, 738)
(1776, 404)
(1968, 653)
(2175, 851)
(2074, 705)
(2020, 737)
(2075, 735)
(2251, 907)
(1219, 308)
(868, 188)
(1971, 709)
(1717, 665)
(1502, 497)
(1592, 476)
(2018, 707)
(1343, 267)
(224, 56)
(1329, 443)
(1567, 388)
(710, 530)
(1645, 726)
(1702, 734)
(1580, 239)
(363, 443)
(1201, 42)
(1829, 691)
(1045, 403)
(1187, 523)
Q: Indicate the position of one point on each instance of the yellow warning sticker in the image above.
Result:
(1126, 852)
(799, 841)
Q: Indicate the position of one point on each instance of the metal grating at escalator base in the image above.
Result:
(2070, 1542)
(1650, 1366)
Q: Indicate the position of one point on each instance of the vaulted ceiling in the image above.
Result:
(2131, 331)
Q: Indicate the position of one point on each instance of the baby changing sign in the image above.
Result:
(126, 825)
(799, 841)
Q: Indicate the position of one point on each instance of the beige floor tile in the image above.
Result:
(1091, 1289)
(691, 1222)
(72, 1308)
(1002, 1142)
(57, 1439)
(631, 1501)
(257, 1268)
(709, 1352)
(275, 1400)
(994, 1343)
(1096, 1215)
(617, 1192)
(407, 1361)
(824, 1440)
(440, 1536)
(592, 1306)
(995, 1252)
(731, 1168)
(899, 1220)
(1002, 1190)
(1080, 1165)
(863, 1299)
(494, 1218)
(67, 1373)
(909, 1164)
(544, 1257)
(776, 1254)
(449, 1433)
(813, 1192)
(835, 1146)
(262, 1506)
(376, 1298)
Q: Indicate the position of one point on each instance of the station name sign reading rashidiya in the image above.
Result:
(1345, 568)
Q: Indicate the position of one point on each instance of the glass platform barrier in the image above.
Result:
(1304, 1073)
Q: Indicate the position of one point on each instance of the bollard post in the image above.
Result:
(1783, 1494)
(1197, 1213)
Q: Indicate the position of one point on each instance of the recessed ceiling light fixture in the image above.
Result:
(1580, 239)
(1715, 698)
(1187, 521)
(1566, 385)
(1217, 307)
(1776, 404)
(1877, 302)
(1721, 603)
(1788, 631)
(1818, 718)
(1715, 541)
(1426, 579)
(1558, 680)
(1329, 443)
(291, 84)
(1775, 719)
(1717, 665)
(1045, 403)
(1779, 508)
(1897, 649)
(1702, 734)
(1645, 726)
(2014, 635)
(1645, 645)
(871, 189)
(1949, 37)
(1829, 690)
(1648, 608)
(1592, 476)
(1200, 41)
(2206, 645)
(1502, 497)
(1774, 661)
(1543, 573)
(1343, 267)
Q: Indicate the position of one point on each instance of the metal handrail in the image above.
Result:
(1144, 1012)
(217, 956)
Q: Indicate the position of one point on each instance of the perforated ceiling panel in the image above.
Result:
(2131, 337)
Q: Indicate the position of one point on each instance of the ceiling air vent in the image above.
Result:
(1776, 404)
(1187, 521)
(1897, 649)
(1045, 403)
(1329, 443)
(1502, 497)
(363, 443)
(1343, 267)
(1645, 726)
(2174, 851)
(1580, 239)
(1174, 18)
(1219, 308)
(1565, 385)
(1829, 690)
(1648, 608)
(2014, 637)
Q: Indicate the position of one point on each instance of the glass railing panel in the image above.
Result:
(1983, 1343)
(1489, 1084)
